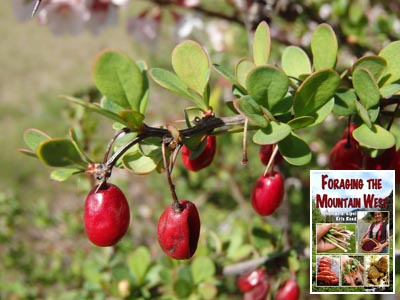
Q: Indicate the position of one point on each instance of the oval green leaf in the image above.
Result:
(324, 47)
(139, 164)
(63, 174)
(295, 62)
(301, 122)
(391, 53)
(261, 44)
(192, 65)
(272, 134)
(375, 137)
(366, 88)
(242, 69)
(139, 262)
(133, 118)
(59, 153)
(251, 109)
(202, 269)
(267, 85)
(389, 90)
(295, 150)
(118, 78)
(315, 92)
(376, 65)
(363, 113)
(34, 137)
(345, 102)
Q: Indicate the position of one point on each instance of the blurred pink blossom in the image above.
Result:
(102, 14)
(64, 16)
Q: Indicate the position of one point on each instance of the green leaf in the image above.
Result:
(295, 62)
(376, 65)
(208, 290)
(294, 150)
(140, 164)
(172, 82)
(375, 137)
(64, 173)
(59, 153)
(118, 78)
(182, 288)
(146, 89)
(202, 269)
(324, 47)
(391, 53)
(261, 44)
(366, 88)
(229, 76)
(192, 65)
(33, 137)
(315, 92)
(267, 85)
(97, 109)
(272, 134)
(133, 118)
(345, 102)
(322, 113)
(242, 70)
(251, 109)
(139, 262)
(150, 147)
(363, 113)
(301, 122)
(74, 140)
(389, 90)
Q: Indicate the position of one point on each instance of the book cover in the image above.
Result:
(352, 236)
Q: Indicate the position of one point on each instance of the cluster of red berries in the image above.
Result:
(106, 212)
(107, 216)
(348, 155)
(255, 285)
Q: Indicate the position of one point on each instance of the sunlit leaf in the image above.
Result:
(140, 164)
(272, 134)
(192, 65)
(63, 174)
(375, 137)
(324, 47)
(139, 262)
(345, 102)
(376, 65)
(295, 62)
(391, 53)
(202, 269)
(119, 79)
(315, 92)
(242, 70)
(363, 113)
(261, 44)
(366, 88)
(389, 90)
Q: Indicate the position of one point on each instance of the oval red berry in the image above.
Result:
(178, 232)
(106, 215)
(204, 159)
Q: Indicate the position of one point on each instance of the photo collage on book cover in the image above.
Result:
(356, 260)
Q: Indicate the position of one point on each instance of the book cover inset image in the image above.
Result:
(352, 235)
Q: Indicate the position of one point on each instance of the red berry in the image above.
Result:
(266, 152)
(268, 193)
(178, 232)
(259, 292)
(289, 290)
(345, 156)
(106, 215)
(204, 159)
(250, 280)
(385, 161)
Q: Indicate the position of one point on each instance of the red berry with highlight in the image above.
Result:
(268, 193)
(250, 280)
(106, 215)
(289, 290)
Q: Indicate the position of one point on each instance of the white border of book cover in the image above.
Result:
(352, 232)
